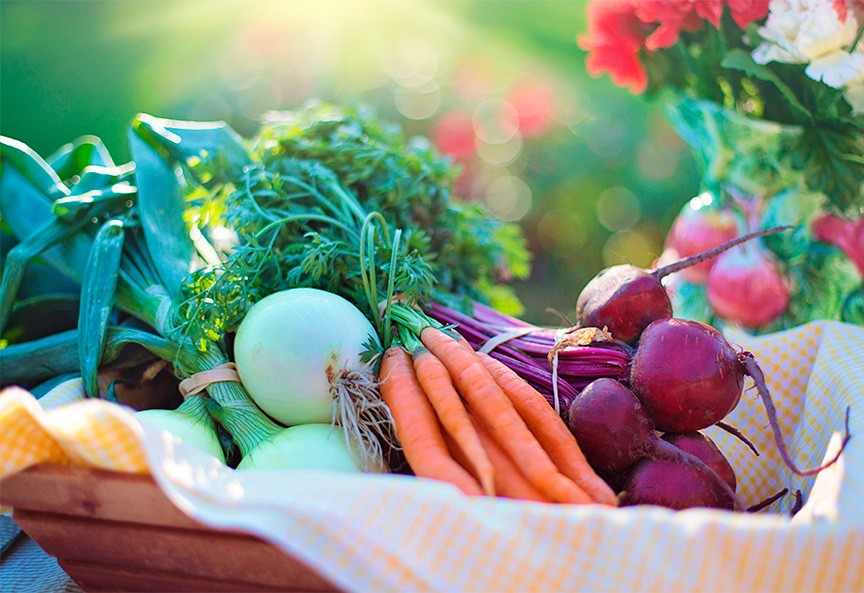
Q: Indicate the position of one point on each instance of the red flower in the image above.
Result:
(673, 16)
(745, 12)
(615, 38)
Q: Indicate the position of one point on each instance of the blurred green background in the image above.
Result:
(593, 174)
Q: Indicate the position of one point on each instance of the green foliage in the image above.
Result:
(833, 159)
(336, 199)
(406, 181)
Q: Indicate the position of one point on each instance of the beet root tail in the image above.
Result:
(737, 434)
(755, 372)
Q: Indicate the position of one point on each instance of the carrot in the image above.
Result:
(495, 411)
(417, 426)
(550, 430)
(448, 405)
(510, 481)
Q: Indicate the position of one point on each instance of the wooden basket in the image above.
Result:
(118, 532)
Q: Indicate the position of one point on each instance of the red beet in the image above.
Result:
(611, 426)
(745, 286)
(688, 377)
(625, 299)
(673, 485)
(705, 449)
(686, 374)
(698, 227)
(615, 432)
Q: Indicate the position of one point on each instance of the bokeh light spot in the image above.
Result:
(412, 62)
(453, 134)
(535, 102)
(629, 247)
(419, 103)
(508, 198)
(496, 121)
(618, 209)
(656, 162)
(503, 153)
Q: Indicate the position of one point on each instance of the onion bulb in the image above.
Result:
(298, 353)
(305, 446)
(190, 422)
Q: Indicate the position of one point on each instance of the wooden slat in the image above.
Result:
(111, 531)
(207, 555)
(87, 492)
(95, 578)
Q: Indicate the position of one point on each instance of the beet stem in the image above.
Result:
(768, 501)
(713, 252)
(752, 368)
(737, 433)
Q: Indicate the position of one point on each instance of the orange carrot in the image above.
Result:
(550, 430)
(448, 405)
(495, 411)
(417, 426)
(510, 482)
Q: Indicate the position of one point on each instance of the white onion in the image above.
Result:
(292, 345)
(298, 353)
(305, 446)
(190, 423)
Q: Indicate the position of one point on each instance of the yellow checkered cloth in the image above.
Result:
(397, 533)
(67, 429)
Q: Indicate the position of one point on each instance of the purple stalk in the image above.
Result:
(737, 433)
(578, 368)
(528, 354)
(541, 380)
(767, 502)
(490, 316)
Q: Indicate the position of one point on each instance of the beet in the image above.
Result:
(746, 286)
(705, 449)
(673, 485)
(625, 299)
(615, 432)
(688, 377)
(686, 374)
(611, 426)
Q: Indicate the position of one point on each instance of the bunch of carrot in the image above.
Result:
(465, 418)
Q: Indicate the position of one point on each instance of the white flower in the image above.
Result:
(837, 69)
(854, 94)
(810, 32)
